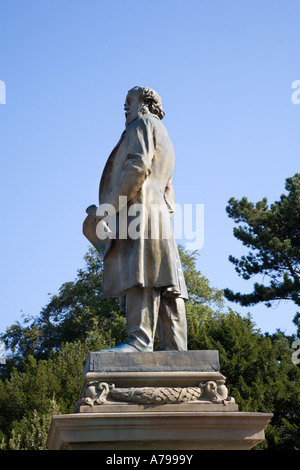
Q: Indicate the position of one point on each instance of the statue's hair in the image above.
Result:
(151, 99)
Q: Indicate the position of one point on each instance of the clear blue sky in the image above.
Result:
(224, 70)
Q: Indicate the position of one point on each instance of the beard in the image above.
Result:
(135, 114)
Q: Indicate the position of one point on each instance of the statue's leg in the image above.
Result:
(171, 324)
(142, 305)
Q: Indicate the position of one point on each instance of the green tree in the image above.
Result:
(79, 310)
(31, 432)
(259, 372)
(48, 371)
(39, 389)
(76, 312)
(273, 234)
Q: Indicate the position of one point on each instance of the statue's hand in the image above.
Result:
(92, 214)
(91, 211)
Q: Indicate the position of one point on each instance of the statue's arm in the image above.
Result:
(170, 197)
(137, 165)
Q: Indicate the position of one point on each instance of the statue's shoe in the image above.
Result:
(128, 347)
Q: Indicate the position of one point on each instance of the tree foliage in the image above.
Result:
(43, 376)
(273, 234)
(76, 312)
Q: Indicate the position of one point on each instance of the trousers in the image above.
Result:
(148, 310)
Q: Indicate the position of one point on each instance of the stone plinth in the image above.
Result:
(157, 431)
(162, 400)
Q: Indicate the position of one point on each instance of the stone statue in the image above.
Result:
(140, 255)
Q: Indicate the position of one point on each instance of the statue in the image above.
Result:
(140, 256)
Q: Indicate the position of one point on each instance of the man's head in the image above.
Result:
(141, 101)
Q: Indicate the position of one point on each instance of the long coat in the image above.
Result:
(140, 169)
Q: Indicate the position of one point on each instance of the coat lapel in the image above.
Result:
(109, 162)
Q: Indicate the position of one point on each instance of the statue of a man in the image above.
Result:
(142, 267)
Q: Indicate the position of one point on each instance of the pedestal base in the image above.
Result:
(156, 401)
(157, 431)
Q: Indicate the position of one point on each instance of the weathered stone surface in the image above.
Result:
(156, 430)
(160, 361)
(160, 400)
(141, 264)
(120, 381)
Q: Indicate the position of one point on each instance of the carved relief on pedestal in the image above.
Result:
(101, 393)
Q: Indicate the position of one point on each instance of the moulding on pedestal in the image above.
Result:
(163, 400)
(149, 380)
(157, 431)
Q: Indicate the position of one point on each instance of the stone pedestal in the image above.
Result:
(168, 400)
